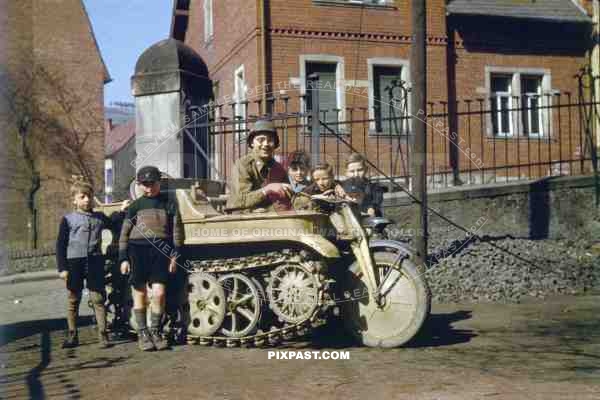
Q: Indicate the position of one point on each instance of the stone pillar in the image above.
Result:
(171, 79)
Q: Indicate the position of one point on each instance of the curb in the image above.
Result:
(29, 277)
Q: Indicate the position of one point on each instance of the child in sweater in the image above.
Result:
(79, 258)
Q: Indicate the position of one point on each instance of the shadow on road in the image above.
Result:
(437, 331)
(19, 330)
(36, 389)
(40, 370)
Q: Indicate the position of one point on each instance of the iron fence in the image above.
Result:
(478, 141)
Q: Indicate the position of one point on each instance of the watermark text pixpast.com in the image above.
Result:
(308, 355)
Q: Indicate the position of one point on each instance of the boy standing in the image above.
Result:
(151, 238)
(79, 258)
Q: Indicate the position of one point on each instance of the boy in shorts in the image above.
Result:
(149, 245)
(79, 259)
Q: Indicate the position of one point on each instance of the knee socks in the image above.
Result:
(98, 299)
(140, 318)
(73, 300)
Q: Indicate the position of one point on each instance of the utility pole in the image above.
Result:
(418, 77)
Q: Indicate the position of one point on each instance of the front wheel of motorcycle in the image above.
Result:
(404, 307)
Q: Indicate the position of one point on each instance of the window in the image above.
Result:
(388, 96)
(322, 77)
(531, 92)
(501, 105)
(239, 97)
(519, 104)
(108, 179)
(208, 20)
(390, 99)
(324, 74)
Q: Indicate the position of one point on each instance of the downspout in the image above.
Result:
(262, 51)
(595, 64)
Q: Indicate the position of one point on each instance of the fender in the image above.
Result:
(403, 248)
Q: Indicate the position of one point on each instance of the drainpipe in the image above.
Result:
(262, 54)
(595, 64)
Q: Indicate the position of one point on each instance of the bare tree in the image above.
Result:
(46, 119)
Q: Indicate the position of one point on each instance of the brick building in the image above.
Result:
(53, 42)
(119, 162)
(508, 60)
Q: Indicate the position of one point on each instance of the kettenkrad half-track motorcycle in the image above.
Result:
(260, 278)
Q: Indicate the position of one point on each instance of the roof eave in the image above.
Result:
(581, 20)
(107, 78)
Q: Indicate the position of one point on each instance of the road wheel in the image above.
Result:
(406, 302)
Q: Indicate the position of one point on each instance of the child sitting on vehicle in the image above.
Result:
(369, 195)
(297, 171)
(323, 183)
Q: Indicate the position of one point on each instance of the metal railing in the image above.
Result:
(479, 141)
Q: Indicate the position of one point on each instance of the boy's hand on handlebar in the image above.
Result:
(340, 192)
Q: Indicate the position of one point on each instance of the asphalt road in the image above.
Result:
(536, 350)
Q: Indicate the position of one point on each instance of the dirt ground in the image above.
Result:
(543, 350)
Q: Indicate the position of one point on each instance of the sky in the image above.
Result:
(124, 29)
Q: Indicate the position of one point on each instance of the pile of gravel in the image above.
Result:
(478, 272)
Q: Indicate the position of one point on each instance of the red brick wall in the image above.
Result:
(304, 27)
(234, 41)
(311, 16)
(56, 35)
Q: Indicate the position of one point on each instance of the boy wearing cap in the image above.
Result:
(258, 180)
(151, 238)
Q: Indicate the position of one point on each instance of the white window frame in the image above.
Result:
(208, 20)
(239, 94)
(541, 111)
(108, 183)
(340, 93)
(515, 121)
(497, 97)
(404, 75)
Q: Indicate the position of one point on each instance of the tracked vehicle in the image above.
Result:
(261, 278)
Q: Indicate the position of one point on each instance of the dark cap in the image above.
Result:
(263, 127)
(148, 173)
